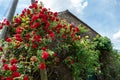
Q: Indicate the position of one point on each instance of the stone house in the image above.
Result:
(71, 18)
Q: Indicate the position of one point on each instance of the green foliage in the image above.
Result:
(83, 29)
(103, 43)
(109, 59)
(85, 59)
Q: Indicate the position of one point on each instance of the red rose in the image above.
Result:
(57, 19)
(34, 17)
(55, 14)
(8, 78)
(52, 35)
(37, 38)
(42, 66)
(34, 46)
(1, 48)
(45, 55)
(1, 27)
(13, 61)
(16, 74)
(6, 22)
(18, 30)
(44, 48)
(35, 25)
(49, 31)
(44, 10)
(54, 54)
(4, 60)
(6, 67)
(19, 39)
(17, 35)
(71, 26)
(13, 68)
(28, 11)
(8, 40)
(26, 78)
(63, 35)
(76, 29)
(27, 36)
(34, 5)
(18, 20)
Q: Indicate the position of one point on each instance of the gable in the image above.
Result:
(70, 18)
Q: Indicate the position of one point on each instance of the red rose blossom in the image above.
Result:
(8, 78)
(45, 55)
(37, 38)
(16, 74)
(13, 68)
(63, 35)
(1, 27)
(27, 36)
(76, 29)
(35, 25)
(34, 46)
(17, 35)
(34, 17)
(71, 26)
(18, 20)
(6, 22)
(18, 30)
(55, 14)
(6, 67)
(26, 78)
(52, 35)
(13, 61)
(28, 11)
(54, 54)
(44, 48)
(8, 40)
(1, 48)
(44, 9)
(4, 60)
(19, 39)
(42, 66)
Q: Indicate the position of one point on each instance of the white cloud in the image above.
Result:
(55, 5)
(79, 5)
(76, 5)
(48, 3)
(116, 35)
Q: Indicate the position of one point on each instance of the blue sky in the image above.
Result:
(102, 15)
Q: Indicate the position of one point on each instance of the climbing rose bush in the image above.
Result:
(36, 38)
